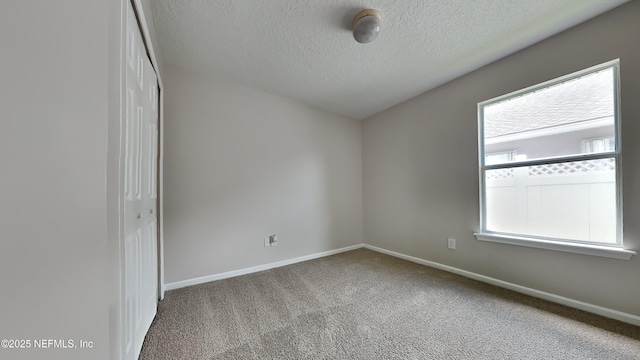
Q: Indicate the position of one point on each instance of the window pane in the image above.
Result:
(555, 120)
(571, 200)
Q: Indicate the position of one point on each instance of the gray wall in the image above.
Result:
(421, 180)
(148, 17)
(240, 165)
(53, 153)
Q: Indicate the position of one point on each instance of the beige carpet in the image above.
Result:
(366, 305)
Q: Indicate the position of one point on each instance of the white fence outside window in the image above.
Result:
(573, 200)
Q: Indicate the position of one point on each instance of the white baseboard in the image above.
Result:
(599, 310)
(606, 312)
(253, 269)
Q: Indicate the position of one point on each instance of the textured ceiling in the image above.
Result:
(304, 50)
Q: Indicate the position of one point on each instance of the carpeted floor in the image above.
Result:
(366, 305)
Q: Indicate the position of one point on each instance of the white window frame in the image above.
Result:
(616, 250)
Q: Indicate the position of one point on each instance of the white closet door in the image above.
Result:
(140, 148)
(149, 196)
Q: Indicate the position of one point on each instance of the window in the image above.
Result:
(549, 165)
(500, 157)
(599, 145)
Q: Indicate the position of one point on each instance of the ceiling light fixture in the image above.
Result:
(366, 26)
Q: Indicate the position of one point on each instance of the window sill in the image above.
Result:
(585, 249)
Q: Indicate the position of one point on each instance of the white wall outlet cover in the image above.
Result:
(267, 242)
(451, 243)
(274, 240)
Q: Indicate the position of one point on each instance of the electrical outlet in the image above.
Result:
(451, 243)
(274, 240)
(267, 241)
